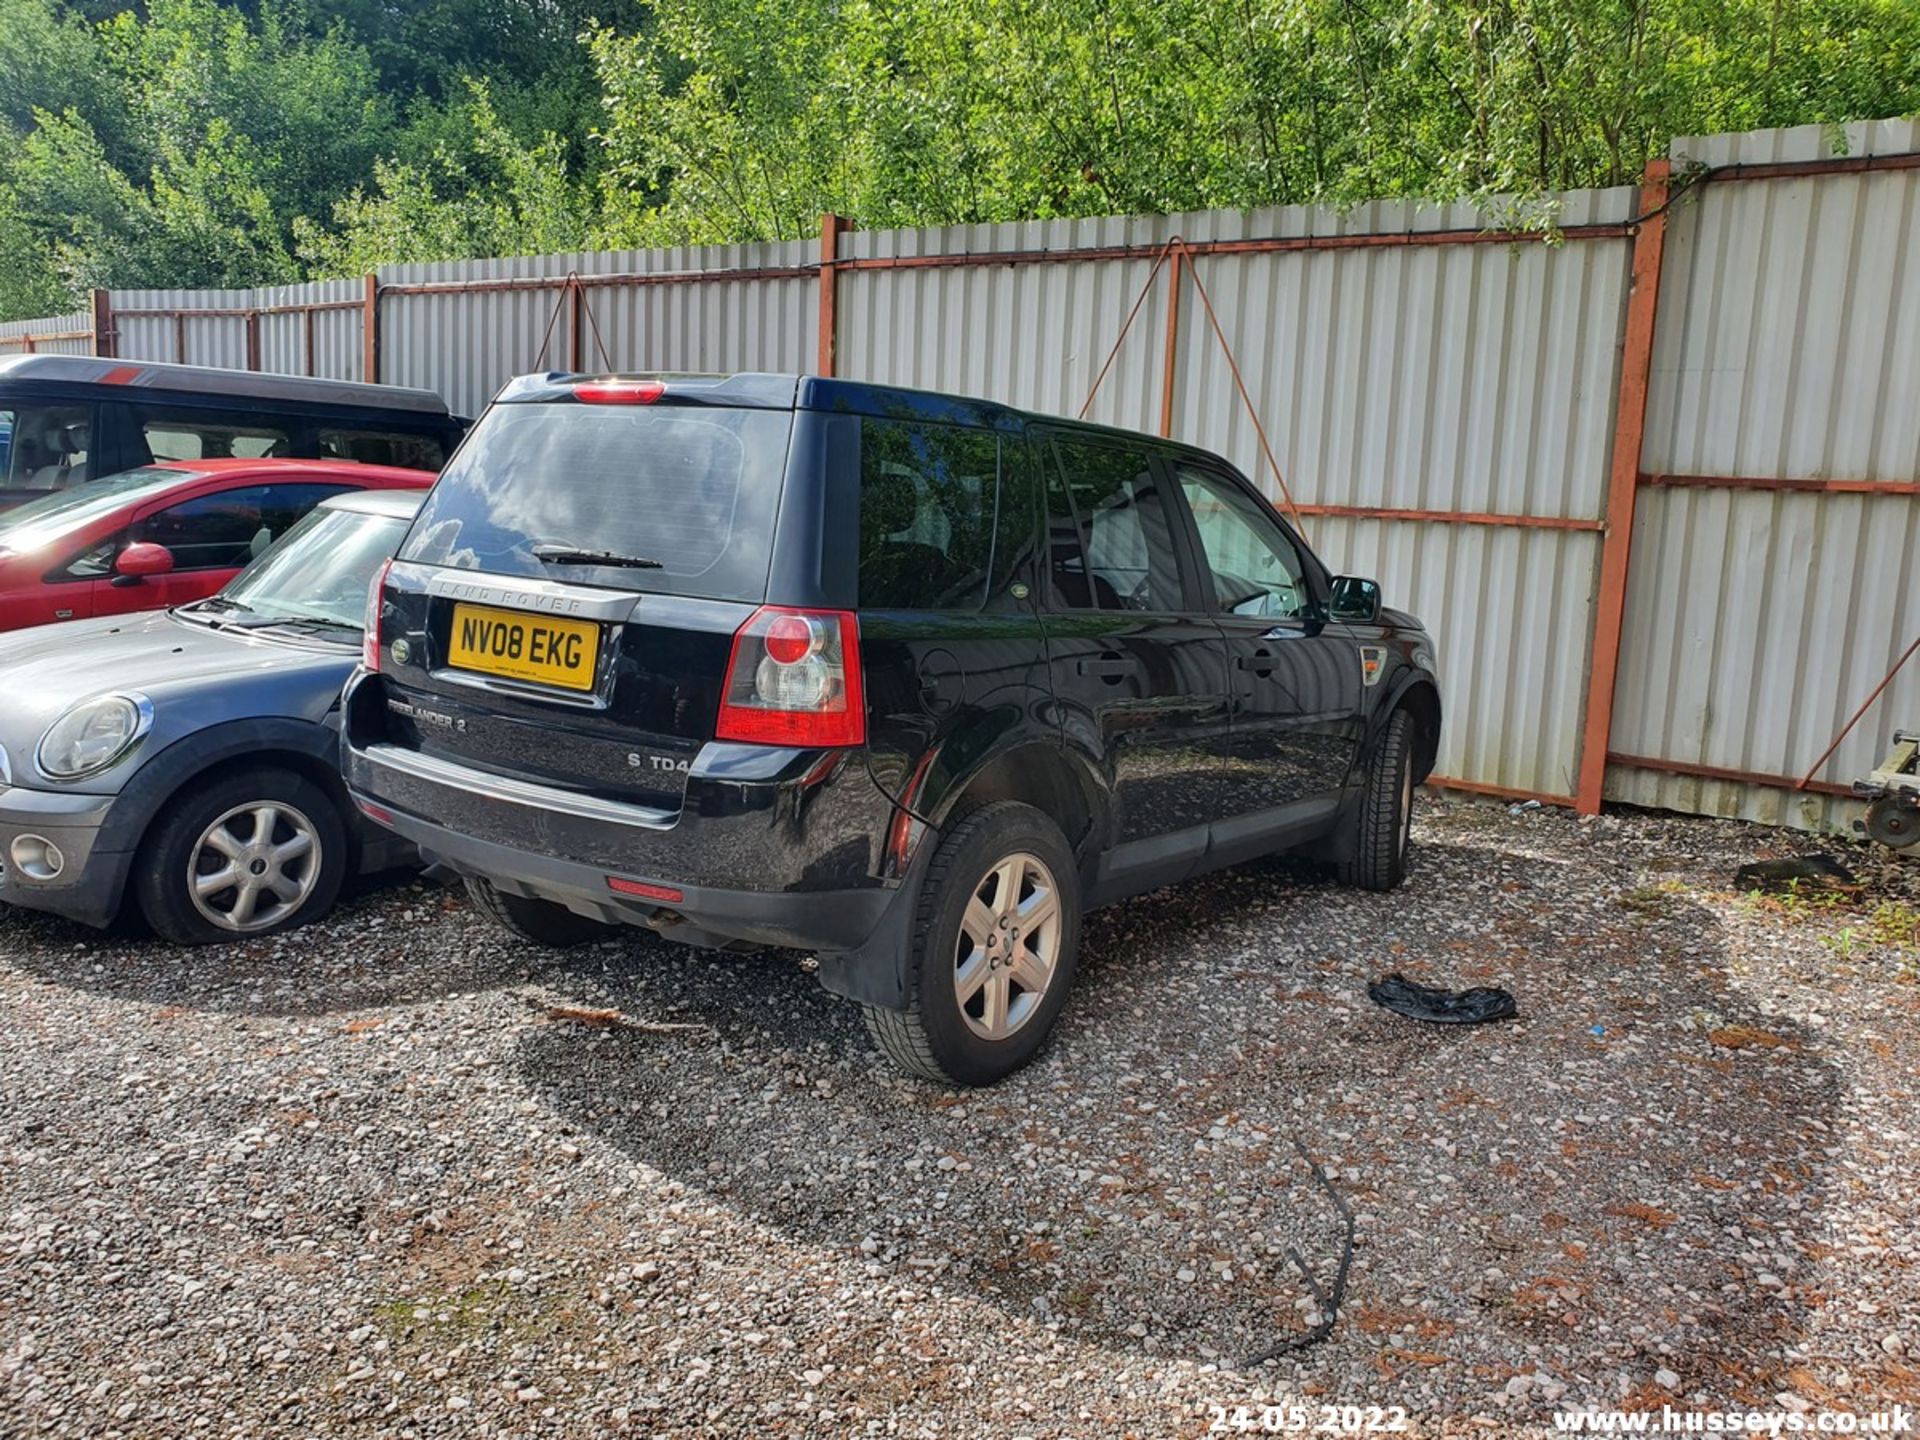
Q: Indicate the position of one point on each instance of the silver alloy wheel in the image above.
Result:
(254, 866)
(1008, 947)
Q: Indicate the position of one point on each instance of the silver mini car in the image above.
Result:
(188, 759)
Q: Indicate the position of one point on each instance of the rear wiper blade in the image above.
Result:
(568, 555)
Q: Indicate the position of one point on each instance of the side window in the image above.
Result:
(1256, 569)
(93, 563)
(210, 435)
(931, 516)
(46, 447)
(225, 530)
(1109, 537)
(382, 447)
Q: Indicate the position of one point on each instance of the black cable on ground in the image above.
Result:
(1329, 1303)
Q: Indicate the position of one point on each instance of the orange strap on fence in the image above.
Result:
(1178, 246)
(1847, 729)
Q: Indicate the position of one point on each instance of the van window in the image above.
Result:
(210, 435)
(692, 488)
(45, 447)
(931, 516)
(382, 447)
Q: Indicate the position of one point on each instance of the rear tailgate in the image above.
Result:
(566, 602)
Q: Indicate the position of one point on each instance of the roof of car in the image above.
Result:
(208, 380)
(399, 504)
(815, 392)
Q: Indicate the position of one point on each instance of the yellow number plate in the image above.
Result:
(521, 646)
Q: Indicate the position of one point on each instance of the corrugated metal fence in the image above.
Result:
(1772, 583)
(55, 335)
(1676, 441)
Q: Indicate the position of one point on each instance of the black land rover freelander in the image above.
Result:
(904, 679)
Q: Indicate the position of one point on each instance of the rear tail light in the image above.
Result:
(370, 629)
(794, 679)
(620, 392)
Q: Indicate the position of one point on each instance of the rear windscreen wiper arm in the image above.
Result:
(568, 555)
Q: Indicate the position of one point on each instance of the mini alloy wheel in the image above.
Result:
(1008, 947)
(254, 866)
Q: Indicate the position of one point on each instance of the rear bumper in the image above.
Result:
(801, 920)
(770, 847)
(93, 874)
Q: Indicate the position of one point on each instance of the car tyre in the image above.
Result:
(292, 871)
(996, 869)
(538, 922)
(1385, 820)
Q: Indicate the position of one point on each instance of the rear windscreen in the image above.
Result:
(688, 493)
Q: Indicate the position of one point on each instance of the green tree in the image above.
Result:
(489, 193)
(734, 118)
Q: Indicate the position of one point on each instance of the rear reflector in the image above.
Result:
(620, 392)
(664, 893)
(794, 679)
(375, 812)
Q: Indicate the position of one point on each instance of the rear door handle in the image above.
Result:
(1108, 667)
(1258, 663)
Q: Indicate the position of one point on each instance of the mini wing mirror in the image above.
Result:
(1355, 600)
(139, 560)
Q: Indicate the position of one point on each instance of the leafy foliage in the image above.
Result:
(744, 117)
(213, 142)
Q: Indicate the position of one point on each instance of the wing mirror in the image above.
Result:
(1355, 600)
(139, 560)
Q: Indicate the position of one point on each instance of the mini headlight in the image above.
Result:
(92, 735)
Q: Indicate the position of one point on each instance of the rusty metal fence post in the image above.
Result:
(1169, 365)
(370, 331)
(103, 336)
(1623, 482)
(831, 228)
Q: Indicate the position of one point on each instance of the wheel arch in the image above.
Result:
(306, 749)
(1038, 773)
(1421, 700)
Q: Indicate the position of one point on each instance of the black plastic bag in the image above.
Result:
(1442, 1007)
(1812, 872)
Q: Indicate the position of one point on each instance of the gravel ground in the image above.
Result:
(395, 1175)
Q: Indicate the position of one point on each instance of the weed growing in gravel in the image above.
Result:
(1892, 925)
(1650, 902)
(1799, 902)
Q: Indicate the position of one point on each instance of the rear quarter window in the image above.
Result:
(942, 523)
(693, 488)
